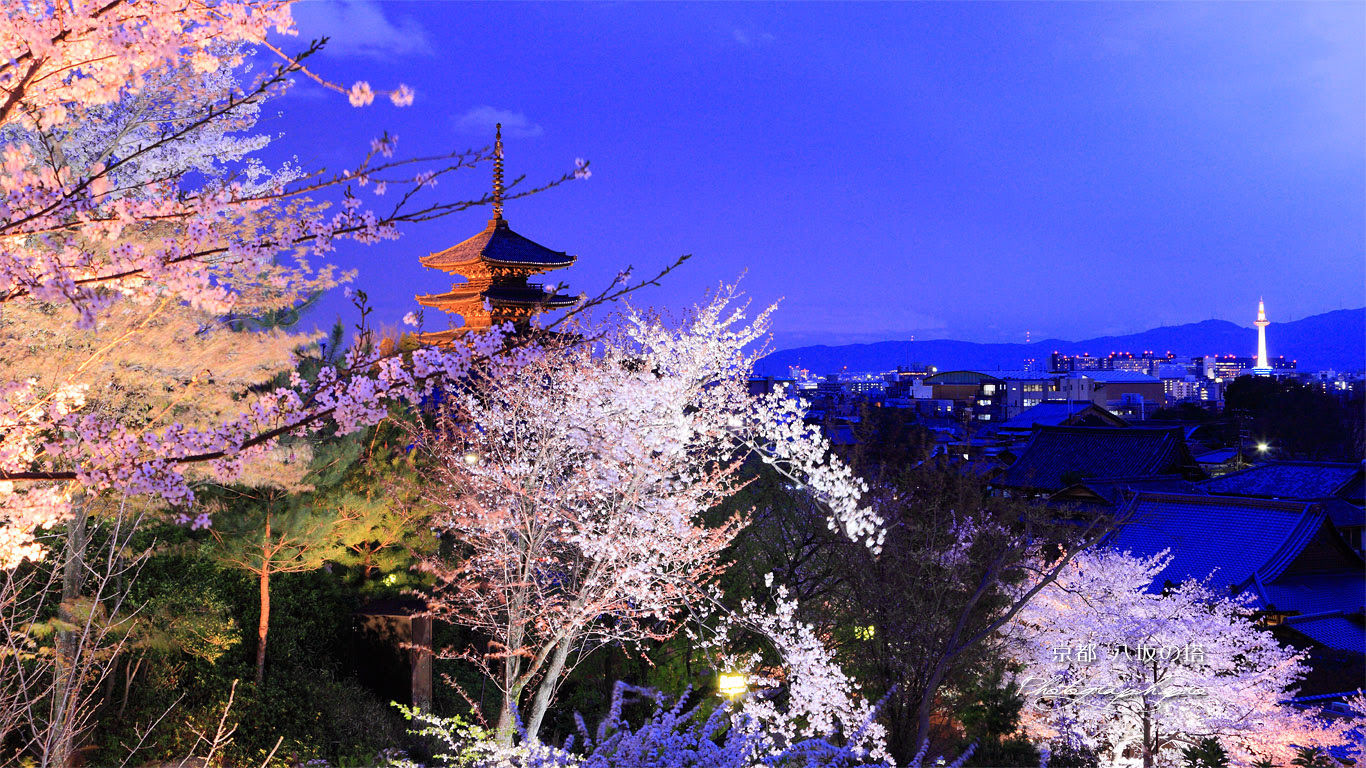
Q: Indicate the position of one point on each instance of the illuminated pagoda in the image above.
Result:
(496, 265)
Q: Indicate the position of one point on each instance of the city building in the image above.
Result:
(1084, 362)
(496, 265)
(980, 395)
(1130, 394)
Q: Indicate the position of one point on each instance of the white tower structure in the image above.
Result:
(1263, 367)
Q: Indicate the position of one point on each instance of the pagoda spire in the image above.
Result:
(498, 172)
(496, 265)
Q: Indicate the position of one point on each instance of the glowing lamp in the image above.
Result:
(731, 684)
(1263, 447)
(471, 457)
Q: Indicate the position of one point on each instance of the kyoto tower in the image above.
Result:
(1263, 367)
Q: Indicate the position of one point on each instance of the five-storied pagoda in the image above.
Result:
(495, 264)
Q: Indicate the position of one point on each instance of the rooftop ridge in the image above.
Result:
(1169, 497)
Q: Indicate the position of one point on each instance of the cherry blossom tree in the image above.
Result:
(1139, 675)
(576, 490)
(96, 208)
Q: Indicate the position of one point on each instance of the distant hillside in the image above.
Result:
(1334, 340)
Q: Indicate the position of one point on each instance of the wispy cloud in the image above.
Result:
(482, 119)
(361, 28)
(746, 38)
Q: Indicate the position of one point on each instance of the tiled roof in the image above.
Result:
(1343, 514)
(1316, 592)
(1056, 413)
(1115, 491)
(1219, 456)
(1056, 457)
(1286, 480)
(500, 245)
(1226, 539)
(500, 294)
(1338, 630)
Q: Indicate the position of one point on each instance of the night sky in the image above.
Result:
(961, 170)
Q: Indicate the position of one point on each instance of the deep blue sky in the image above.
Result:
(963, 170)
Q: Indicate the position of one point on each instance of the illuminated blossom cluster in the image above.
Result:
(821, 699)
(60, 58)
(800, 452)
(1127, 671)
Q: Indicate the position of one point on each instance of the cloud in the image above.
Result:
(482, 119)
(747, 39)
(360, 28)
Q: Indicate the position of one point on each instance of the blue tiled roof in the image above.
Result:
(1287, 480)
(1055, 453)
(1316, 592)
(1226, 539)
(1219, 456)
(1115, 490)
(1342, 513)
(1339, 631)
(1054, 413)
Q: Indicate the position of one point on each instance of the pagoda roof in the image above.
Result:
(500, 294)
(497, 244)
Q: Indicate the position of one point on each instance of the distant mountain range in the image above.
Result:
(1335, 340)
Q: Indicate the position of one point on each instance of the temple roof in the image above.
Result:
(1288, 480)
(1286, 552)
(1058, 413)
(500, 294)
(1056, 457)
(497, 244)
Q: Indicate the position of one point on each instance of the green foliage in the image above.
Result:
(186, 618)
(309, 699)
(1208, 753)
(1067, 755)
(1007, 753)
(1311, 757)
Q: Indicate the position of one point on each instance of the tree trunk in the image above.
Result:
(541, 703)
(926, 707)
(66, 690)
(263, 625)
(507, 719)
(1148, 761)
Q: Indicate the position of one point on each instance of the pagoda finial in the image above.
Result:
(498, 172)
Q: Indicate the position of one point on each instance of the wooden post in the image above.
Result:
(420, 657)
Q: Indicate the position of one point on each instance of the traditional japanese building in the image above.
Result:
(497, 265)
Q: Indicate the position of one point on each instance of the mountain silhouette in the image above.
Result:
(1333, 340)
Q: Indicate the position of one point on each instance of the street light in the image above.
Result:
(731, 684)
(1263, 447)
